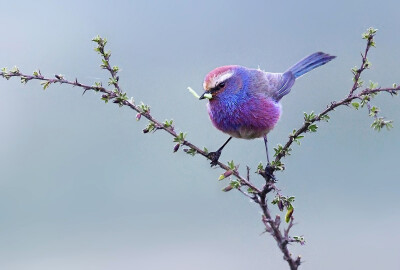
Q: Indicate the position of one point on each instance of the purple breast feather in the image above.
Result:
(250, 119)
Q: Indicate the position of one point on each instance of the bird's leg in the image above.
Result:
(266, 147)
(268, 169)
(214, 156)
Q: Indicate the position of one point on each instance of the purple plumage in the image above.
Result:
(244, 102)
(250, 117)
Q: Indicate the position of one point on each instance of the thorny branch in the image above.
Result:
(258, 195)
(364, 96)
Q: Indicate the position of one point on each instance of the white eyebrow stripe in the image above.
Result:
(221, 77)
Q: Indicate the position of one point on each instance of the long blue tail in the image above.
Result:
(309, 63)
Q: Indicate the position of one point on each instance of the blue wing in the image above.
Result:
(285, 85)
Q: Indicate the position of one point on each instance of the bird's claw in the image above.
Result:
(269, 172)
(214, 156)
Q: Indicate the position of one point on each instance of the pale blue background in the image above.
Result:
(82, 188)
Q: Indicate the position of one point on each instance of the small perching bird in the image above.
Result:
(244, 102)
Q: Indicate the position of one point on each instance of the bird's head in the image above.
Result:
(222, 81)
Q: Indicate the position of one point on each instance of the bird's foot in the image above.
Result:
(214, 156)
(269, 172)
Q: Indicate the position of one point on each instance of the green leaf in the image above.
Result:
(235, 184)
(313, 127)
(97, 86)
(96, 39)
(104, 64)
(231, 165)
(150, 127)
(367, 63)
(297, 139)
(24, 79)
(105, 97)
(145, 108)
(45, 84)
(372, 44)
(389, 125)
(115, 69)
(370, 33)
(180, 138)
(309, 117)
(275, 200)
(278, 165)
(355, 105)
(14, 70)
(250, 190)
(324, 117)
(373, 85)
(373, 111)
(280, 150)
(380, 123)
(112, 81)
(168, 124)
(260, 166)
(107, 54)
(299, 239)
(190, 151)
(365, 99)
(355, 70)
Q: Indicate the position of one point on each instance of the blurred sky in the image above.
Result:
(82, 188)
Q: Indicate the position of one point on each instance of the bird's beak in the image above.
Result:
(206, 95)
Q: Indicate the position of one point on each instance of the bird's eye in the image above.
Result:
(221, 84)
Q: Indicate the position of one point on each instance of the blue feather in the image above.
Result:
(309, 63)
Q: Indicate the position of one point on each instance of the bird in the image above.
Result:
(245, 103)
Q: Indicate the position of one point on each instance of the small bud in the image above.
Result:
(227, 188)
(280, 205)
(225, 175)
(146, 130)
(228, 173)
(277, 220)
(138, 116)
(176, 147)
(298, 260)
